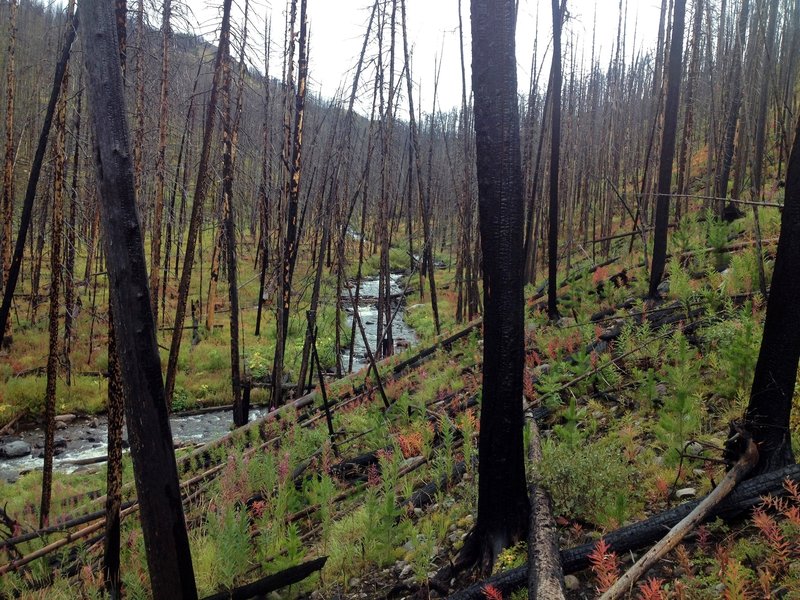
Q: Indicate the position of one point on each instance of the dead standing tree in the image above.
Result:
(53, 357)
(503, 506)
(667, 147)
(155, 471)
(200, 192)
(293, 196)
(769, 411)
(163, 123)
(555, 155)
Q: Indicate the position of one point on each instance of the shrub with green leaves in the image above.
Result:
(585, 480)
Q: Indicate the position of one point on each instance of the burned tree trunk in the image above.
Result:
(768, 413)
(10, 282)
(503, 506)
(59, 175)
(116, 407)
(155, 471)
(290, 242)
(555, 155)
(667, 147)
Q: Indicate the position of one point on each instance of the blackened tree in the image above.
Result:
(155, 471)
(767, 415)
(667, 147)
(503, 507)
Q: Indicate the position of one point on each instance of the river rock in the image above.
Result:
(67, 418)
(15, 449)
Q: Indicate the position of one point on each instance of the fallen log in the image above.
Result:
(545, 575)
(272, 583)
(441, 343)
(744, 497)
(742, 467)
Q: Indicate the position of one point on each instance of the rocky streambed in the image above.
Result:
(81, 442)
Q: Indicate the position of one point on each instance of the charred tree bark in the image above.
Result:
(732, 118)
(59, 175)
(667, 147)
(70, 309)
(756, 189)
(291, 240)
(116, 407)
(768, 413)
(555, 155)
(691, 84)
(503, 506)
(230, 138)
(155, 471)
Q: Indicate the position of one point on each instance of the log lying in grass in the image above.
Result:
(442, 342)
(272, 583)
(745, 496)
(742, 467)
(545, 575)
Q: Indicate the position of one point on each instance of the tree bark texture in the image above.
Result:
(503, 506)
(155, 471)
(768, 413)
(664, 187)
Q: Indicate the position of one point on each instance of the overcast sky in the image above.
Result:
(337, 28)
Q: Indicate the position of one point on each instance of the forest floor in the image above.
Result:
(634, 401)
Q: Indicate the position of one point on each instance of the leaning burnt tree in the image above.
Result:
(155, 471)
(503, 506)
(767, 415)
(667, 147)
(555, 156)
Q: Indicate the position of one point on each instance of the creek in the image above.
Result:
(82, 441)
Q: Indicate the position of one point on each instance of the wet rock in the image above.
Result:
(60, 443)
(571, 582)
(15, 449)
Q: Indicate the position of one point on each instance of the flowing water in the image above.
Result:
(80, 440)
